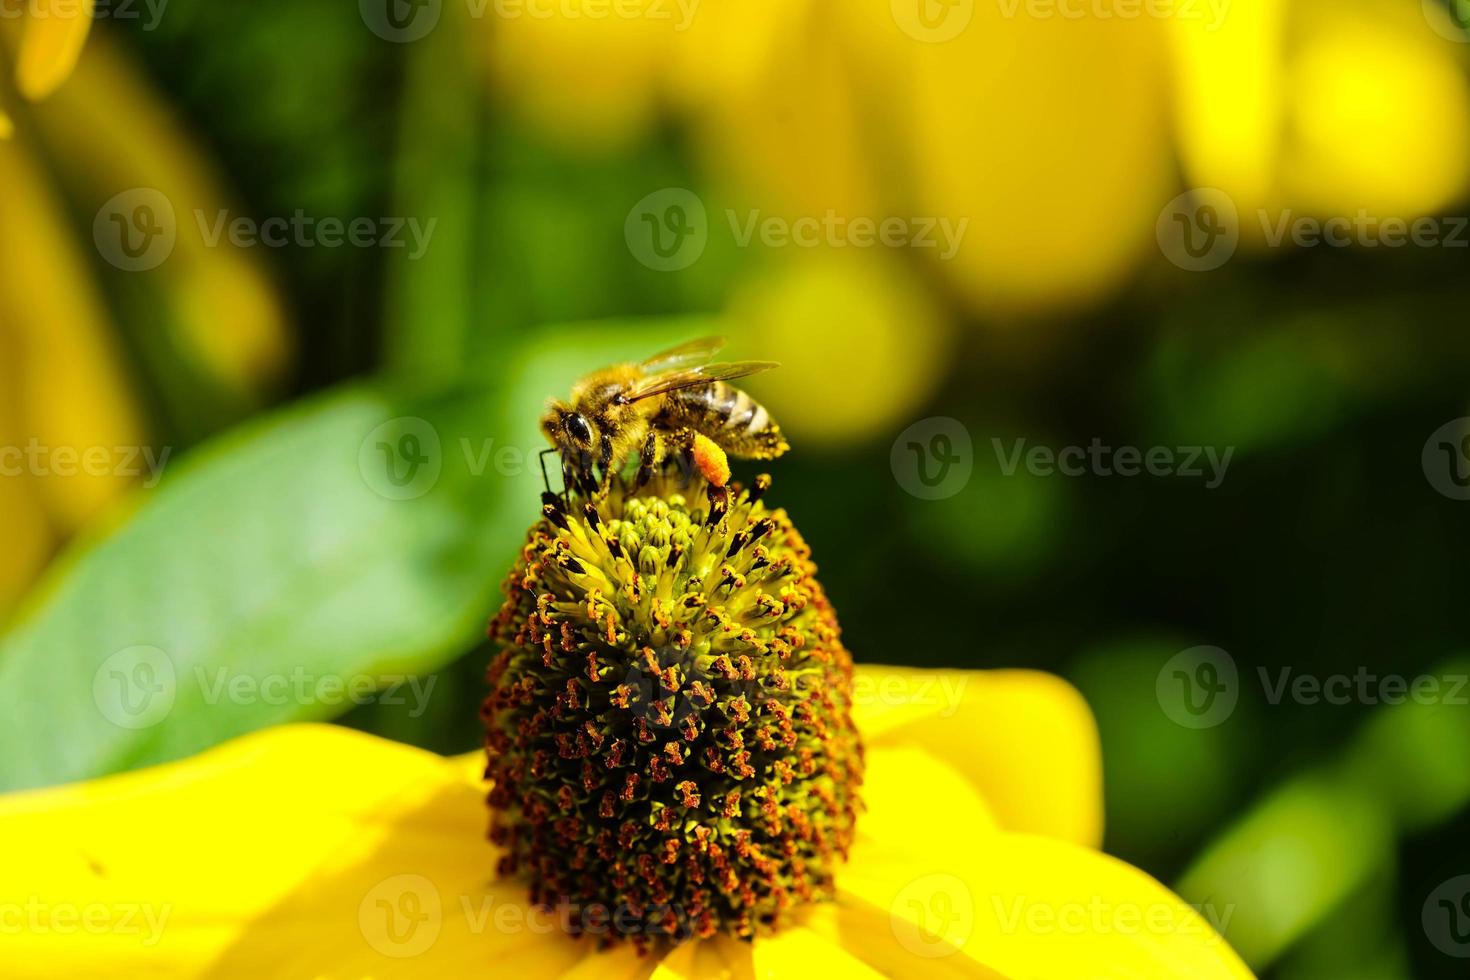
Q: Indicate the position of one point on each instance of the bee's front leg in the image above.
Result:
(571, 480)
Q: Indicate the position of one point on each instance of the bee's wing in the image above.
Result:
(662, 384)
(686, 355)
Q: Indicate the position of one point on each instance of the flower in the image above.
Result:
(67, 382)
(50, 45)
(670, 729)
(313, 850)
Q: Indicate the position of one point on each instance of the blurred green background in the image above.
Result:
(527, 142)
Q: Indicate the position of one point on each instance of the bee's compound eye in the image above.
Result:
(578, 428)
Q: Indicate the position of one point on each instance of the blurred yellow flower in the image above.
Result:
(1048, 135)
(1053, 127)
(111, 134)
(71, 389)
(851, 330)
(28, 534)
(69, 400)
(50, 42)
(1325, 108)
(317, 851)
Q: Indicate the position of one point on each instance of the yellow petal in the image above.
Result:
(1036, 907)
(73, 396)
(318, 851)
(795, 954)
(1050, 135)
(1327, 107)
(899, 789)
(583, 73)
(54, 35)
(300, 851)
(23, 524)
(1228, 107)
(1025, 739)
(721, 958)
(621, 963)
(27, 538)
(875, 938)
(793, 134)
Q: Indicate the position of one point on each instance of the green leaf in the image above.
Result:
(1292, 861)
(282, 575)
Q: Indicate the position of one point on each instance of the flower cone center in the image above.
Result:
(669, 725)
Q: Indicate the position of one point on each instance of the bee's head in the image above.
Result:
(568, 428)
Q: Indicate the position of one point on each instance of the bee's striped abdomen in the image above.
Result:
(731, 418)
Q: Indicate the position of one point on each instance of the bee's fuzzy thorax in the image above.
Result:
(669, 725)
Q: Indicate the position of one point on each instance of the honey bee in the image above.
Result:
(675, 405)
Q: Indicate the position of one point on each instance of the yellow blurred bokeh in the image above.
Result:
(72, 426)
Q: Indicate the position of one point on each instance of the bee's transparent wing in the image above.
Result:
(695, 377)
(686, 355)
